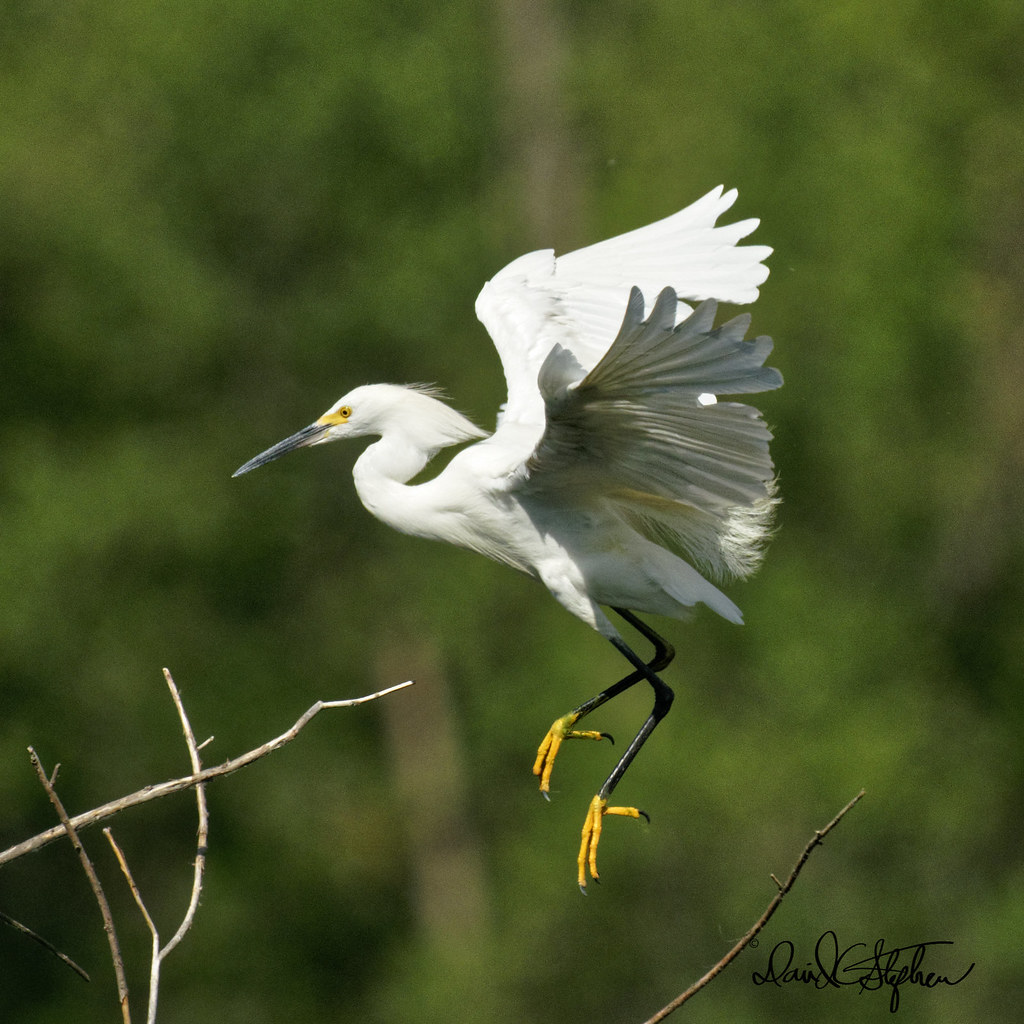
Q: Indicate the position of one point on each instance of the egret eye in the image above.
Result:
(335, 417)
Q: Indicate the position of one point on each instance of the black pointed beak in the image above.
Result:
(305, 437)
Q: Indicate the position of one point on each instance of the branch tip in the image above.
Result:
(784, 888)
(159, 790)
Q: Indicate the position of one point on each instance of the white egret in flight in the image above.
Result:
(615, 476)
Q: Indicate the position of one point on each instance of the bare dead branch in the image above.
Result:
(126, 871)
(49, 946)
(94, 882)
(203, 829)
(154, 963)
(783, 888)
(159, 954)
(70, 826)
(147, 793)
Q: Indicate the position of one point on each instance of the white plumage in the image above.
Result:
(615, 476)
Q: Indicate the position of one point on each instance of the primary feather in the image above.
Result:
(577, 300)
(638, 430)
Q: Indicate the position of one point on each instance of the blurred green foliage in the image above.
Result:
(216, 218)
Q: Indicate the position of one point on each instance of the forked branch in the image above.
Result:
(147, 793)
(159, 953)
(70, 826)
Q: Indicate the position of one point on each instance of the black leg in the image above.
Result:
(663, 650)
(663, 695)
(663, 655)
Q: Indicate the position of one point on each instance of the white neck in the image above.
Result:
(394, 459)
(382, 472)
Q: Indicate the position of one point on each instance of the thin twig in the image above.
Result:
(154, 968)
(127, 872)
(94, 882)
(784, 888)
(203, 829)
(49, 946)
(144, 795)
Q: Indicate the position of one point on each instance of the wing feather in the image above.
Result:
(576, 300)
(640, 431)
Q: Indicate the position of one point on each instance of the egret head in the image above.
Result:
(350, 416)
(378, 410)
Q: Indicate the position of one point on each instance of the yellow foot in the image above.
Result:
(561, 729)
(592, 835)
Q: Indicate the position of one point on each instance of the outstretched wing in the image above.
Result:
(644, 430)
(576, 300)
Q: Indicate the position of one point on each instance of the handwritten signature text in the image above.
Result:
(883, 967)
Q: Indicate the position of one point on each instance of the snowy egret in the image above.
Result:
(615, 476)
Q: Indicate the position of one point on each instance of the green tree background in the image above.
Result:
(218, 217)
